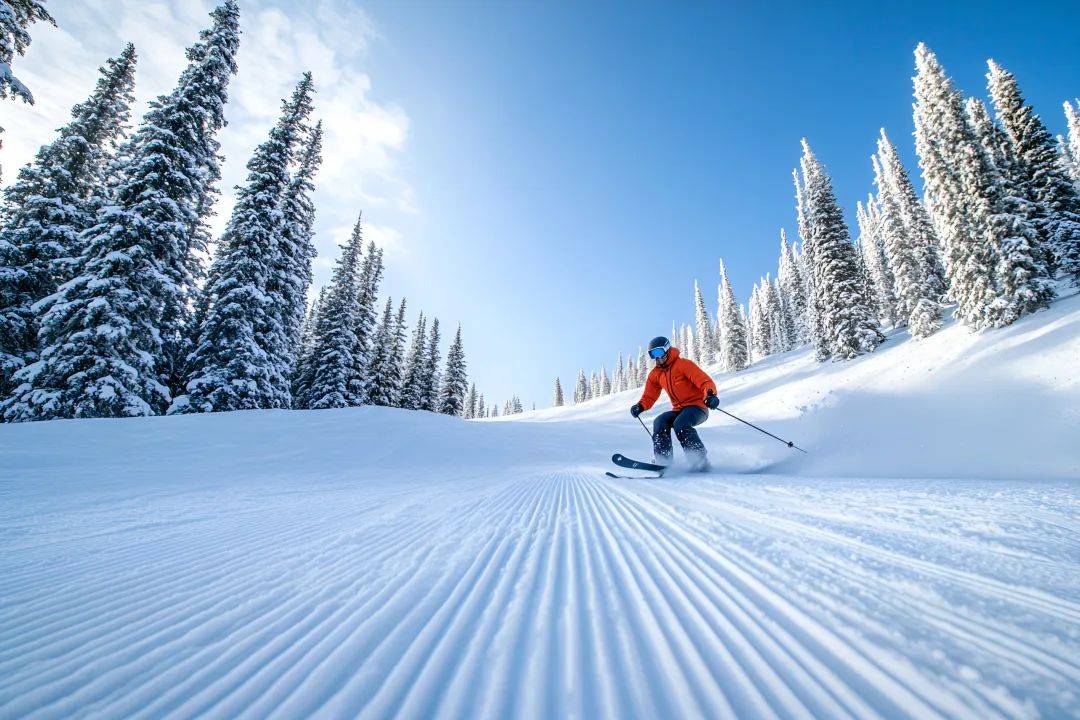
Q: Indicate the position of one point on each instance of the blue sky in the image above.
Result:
(554, 176)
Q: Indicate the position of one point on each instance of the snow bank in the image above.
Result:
(998, 404)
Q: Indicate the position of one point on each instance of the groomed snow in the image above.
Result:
(922, 561)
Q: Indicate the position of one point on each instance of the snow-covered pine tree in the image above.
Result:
(605, 381)
(871, 221)
(104, 334)
(557, 401)
(594, 386)
(48, 206)
(909, 243)
(581, 388)
(469, 411)
(495, 410)
(705, 345)
(846, 318)
(1038, 173)
(760, 338)
(332, 362)
(244, 356)
(792, 292)
(642, 367)
(815, 334)
(481, 409)
(618, 383)
(429, 399)
(1023, 275)
(688, 344)
(180, 131)
(291, 275)
(412, 387)
(779, 330)
(454, 381)
(397, 365)
(515, 405)
(955, 176)
(733, 334)
(1071, 145)
(384, 382)
(16, 17)
(367, 316)
(302, 375)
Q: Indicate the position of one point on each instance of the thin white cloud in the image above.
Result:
(364, 137)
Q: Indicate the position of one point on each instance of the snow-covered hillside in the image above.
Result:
(922, 561)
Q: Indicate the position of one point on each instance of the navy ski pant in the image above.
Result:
(682, 422)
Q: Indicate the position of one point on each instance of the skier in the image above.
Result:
(692, 394)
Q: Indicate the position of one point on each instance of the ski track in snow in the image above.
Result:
(544, 593)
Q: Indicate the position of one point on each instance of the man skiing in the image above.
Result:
(692, 394)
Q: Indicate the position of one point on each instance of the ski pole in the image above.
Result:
(786, 442)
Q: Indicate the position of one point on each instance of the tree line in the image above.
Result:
(106, 308)
(995, 232)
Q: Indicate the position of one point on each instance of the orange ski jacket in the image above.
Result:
(684, 382)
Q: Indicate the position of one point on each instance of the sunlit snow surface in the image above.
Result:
(923, 561)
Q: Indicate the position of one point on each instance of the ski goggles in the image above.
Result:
(658, 352)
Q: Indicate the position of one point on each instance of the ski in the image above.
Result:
(634, 477)
(623, 461)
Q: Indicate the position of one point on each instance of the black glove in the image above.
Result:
(636, 409)
(711, 401)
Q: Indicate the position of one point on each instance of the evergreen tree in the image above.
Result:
(963, 192)
(618, 384)
(1039, 176)
(180, 130)
(454, 381)
(245, 357)
(481, 410)
(412, 387)
(430, 388)
(397, 366)
(103, 333)
(495, 410)
(779, 336)
(909, 243)
(302, 375)
(558, 400)
(792, 292)
(815, 333)
(1072, 145)
(332, 363)
(642, 367)
(469, 412)
(365, 325)
(580, 388)
(688, 344)
(706, 346)
(871, 221)
(383, 388)
(594, 386)
(846, 318)
(760, 336)
(1023, 275)
(733, 342)
(16, 17)
(515, 405)
(48, 206)
(291, 276)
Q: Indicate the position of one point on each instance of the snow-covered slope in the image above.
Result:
(922, 561)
